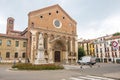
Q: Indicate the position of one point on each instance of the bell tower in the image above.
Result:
(10, 25)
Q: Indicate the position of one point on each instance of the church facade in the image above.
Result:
(51, 36)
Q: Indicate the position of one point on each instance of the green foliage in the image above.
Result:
(28, 66)
(116, 34)
(81, 52)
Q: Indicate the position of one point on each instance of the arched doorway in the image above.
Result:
(57, 56)
(59, 47)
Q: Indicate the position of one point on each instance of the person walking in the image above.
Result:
(0, 59)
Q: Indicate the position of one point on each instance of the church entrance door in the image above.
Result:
(57, 56)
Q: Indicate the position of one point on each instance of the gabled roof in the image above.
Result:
(50, 7)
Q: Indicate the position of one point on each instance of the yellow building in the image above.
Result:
(88, 47)
(92, 53)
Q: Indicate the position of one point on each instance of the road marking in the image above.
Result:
(73, 78)
(100, 77)
(88, 77)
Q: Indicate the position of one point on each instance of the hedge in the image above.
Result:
(28, 66)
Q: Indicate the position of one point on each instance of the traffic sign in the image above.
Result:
(114, 44)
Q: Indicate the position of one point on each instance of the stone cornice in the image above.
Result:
(53, 31)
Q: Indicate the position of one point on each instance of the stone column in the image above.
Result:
(76, 48)
(71, 50)
(33, 45)
(50, 50)
(66, 52)
(71, 45)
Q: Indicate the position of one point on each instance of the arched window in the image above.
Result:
(16, 55)
(7, 54)
(23, 55)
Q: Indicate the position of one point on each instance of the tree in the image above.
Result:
(81, 52)
(116, 34)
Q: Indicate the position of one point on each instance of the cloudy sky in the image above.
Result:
(95, 18)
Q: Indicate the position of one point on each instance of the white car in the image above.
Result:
(87, 60)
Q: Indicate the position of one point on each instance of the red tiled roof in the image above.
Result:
(15, 31)
(11, 36)
(113, 37)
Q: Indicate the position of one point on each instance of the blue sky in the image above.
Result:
(95, 18)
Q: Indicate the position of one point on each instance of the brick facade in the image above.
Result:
(58, 31)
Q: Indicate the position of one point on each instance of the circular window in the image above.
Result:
(57, 23)
(11, 22)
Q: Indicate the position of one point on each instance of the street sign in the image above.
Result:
(114, 44)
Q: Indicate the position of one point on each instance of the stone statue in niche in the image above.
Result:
(40, 53)
(40, 42)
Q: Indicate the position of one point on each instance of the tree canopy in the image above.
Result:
(116, 34)
(81, 52)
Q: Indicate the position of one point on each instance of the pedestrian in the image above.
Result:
(0, 59)
(19, 60)
(113, 60)
(90, 65)
(27, 60)
(81, 66)
(14, 62)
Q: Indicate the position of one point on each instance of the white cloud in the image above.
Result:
(112, 22)
(109, 25)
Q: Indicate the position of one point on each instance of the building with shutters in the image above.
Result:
(13, 45)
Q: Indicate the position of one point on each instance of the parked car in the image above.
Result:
(87, 60)
(118, 60)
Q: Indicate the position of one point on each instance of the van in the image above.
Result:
(89, 60)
